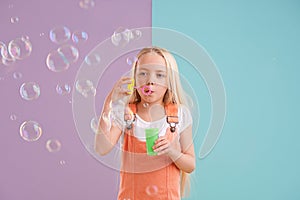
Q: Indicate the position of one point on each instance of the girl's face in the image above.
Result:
(151, 78)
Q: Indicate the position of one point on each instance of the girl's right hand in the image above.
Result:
(118, 92)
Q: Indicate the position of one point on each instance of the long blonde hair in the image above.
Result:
(174, 94)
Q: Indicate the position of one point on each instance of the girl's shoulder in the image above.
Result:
(184, 117)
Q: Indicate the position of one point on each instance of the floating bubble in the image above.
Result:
(94, 124)
(69, 52)
(145, 105)
(20, 48)
(30, 91)
(3, 50)
(5, 57)
(79, 36)
(131, 60)
(86, 88)
(57, 62)
(92, 59)
(122, 36)
(13, 117)
(127, 35)
(14, 20)
(17, 75)
(60, 34)
(62, 162)
(137, 34)
(63, 89)
(61, 59)
(30, 131)
(42, 34)
(118, 37)
(53, 145)
(86, 4)
(8, 61)
(151, 190)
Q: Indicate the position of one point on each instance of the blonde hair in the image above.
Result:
(174, 94)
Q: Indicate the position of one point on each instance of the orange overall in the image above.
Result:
(144, 177)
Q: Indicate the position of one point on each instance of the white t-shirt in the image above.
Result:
(184, 120)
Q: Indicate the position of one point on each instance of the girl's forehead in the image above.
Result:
(152, 59)
(152, 66)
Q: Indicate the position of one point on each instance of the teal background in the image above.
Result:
(256, 47)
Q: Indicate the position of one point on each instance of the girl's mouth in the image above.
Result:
(146, 90)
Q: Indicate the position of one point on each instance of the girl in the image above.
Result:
(157, 100)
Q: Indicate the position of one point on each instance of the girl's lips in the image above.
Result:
(146, 90)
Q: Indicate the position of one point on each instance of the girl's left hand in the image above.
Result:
(167, 145)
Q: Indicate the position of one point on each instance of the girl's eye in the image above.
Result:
(160, 75)
(142, 74)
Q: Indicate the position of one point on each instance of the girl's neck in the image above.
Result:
(150, 111)
(144, 105)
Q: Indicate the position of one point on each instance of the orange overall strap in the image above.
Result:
(132, 107)
(172, 115)
(129, 112)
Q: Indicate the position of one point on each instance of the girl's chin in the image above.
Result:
(151, 99)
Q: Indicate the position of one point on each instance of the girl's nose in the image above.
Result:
(150, 83)
(151, 79)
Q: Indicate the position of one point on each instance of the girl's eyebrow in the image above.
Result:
(147, 69)
(160, 70)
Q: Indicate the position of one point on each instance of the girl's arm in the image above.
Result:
(108, 132)
(185, 160)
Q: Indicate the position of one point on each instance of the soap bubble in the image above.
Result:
(151, 190)
(92, 59)
(13, 117)
(30, 91)
(137, 34)
(94, 124)
(122, 36)
(60, 34)
(86, 88)
(62, 162)
(127, 35)
(14, 20)
(61, 59)
(57, 62)
(86, 4)
(79, 36)
(20, 48)
(53, 145)
(17, 75)
(30, 131)
(131, 60)
(117, 37)
(69, 52)
(5, 57)
(63, 89)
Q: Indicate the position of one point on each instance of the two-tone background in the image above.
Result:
(255, 46)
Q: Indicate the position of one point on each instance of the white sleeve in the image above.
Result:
(185, 118)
